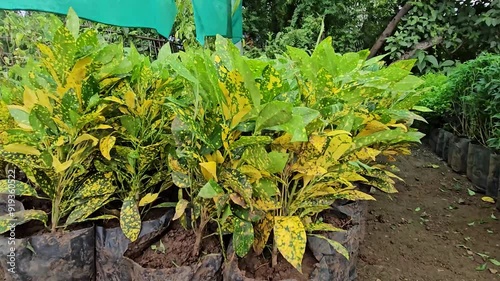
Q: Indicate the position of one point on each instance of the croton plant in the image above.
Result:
(253, 146)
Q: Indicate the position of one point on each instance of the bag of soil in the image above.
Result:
(447, 139)
(493, 176)
(115, 255)
(337, 267)
(478, 165)
(457, 154)
(50, 257)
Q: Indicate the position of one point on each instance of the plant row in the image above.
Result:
(252, 147)
(468, 100)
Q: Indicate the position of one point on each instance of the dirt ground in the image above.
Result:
(433, 229)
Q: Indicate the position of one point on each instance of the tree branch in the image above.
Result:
(389, 29)
(424, 45)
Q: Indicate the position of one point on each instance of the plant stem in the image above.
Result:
(274, 258)
(55, 213)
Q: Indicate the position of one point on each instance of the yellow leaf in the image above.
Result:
(367, 153)
(86, 137)
(60, 141)
(129, 97)
(180, 208)
(318, 142)
(488, 199)
(290, 237)
(262, 231)
(354, 195)
(29, 98)
(218, 157)
(114, 99)
(209, 170)
(373, 127)
(21, 148)
(337, 147)
(106, 145)
(43, 99)
(103, 127)
(58, 166)
(402, 126)
(148, 199)
(252, 173)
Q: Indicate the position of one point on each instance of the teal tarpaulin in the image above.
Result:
(211, 17)
(156, 14)
(222, 17)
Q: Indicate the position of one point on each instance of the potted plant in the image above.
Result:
(59, 117)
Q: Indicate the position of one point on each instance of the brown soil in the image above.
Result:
(432, 230)
(178, 244)
(259, 267)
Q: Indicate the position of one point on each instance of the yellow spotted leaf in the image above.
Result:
(372, 127)
(209, 170)
(180, 208)
(148, 199)
(21, 148)
(106, 145)
(290, 237)
(354, 195)
(129, 97)
(86, 137)
(318, 142)
(130, 219)
(367, 153)
(262, 230)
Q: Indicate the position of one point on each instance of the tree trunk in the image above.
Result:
(389, 29)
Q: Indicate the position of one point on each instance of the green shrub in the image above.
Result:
(436, 97)
(474, 90)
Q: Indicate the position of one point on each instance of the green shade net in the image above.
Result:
(156, 14)
(222, 17)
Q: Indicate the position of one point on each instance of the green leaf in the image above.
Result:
(265, 188)
(495, 262)
(250, 140)
(73, 22)
(87, 207)
(336, 245)
(471, 192)
(290, 237)
(130, 219)
(274, 113)
(210, 190)
(277, 162)
(20, 115)
(44, 117)
(243, 236)
(21, 217)
(422, 108)
(432, 59)
(247, 214)
(17, 188)
(482, 267)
